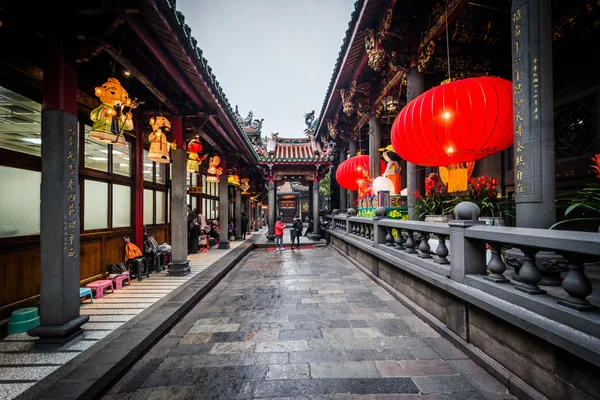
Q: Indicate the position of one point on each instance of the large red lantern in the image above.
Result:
(350, 171)
(457, 122)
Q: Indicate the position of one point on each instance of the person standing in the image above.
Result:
(193, 229)
(244, 225)
(279, 227)
(297, 227)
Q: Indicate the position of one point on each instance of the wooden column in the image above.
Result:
(60, 227)
(533, 112)
(138, 169)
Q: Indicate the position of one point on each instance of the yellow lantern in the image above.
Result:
(214, 169)
(456, 176)
(111, 118)
(159, 145)
(233, 180)
(194, 149)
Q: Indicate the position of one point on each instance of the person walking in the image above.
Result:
(279, 227)
(297, 227)
(244, 225)
(193, 229)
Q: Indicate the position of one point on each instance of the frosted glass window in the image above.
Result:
(20, 123)
(161, 172)
(148, 168)
(121, 162)
(95, 153)
(95, 207)
(20, 200)
(148, 207)
(121, 203)
(194, 203)
(160, 207)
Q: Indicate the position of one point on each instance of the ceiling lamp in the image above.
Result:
(391, 103)
(159, 145)
(113, 116)
(352, 170)
(460, 121)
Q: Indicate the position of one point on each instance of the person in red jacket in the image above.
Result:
(279, 227)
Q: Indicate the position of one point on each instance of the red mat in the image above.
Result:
(287, 248)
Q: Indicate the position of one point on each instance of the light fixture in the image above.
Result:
(212, 178)
(148, 164)
(392, 103)
(99, 158)
(32, 140)
(127, 73)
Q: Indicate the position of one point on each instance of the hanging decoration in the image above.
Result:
(456, 176)
(113, 116)
(393, 169)
(382, 183)
(352, 170)
(159, 145)
(245, 185)
(233, 180)
(461, 121)
(194, 151)
(214, 170)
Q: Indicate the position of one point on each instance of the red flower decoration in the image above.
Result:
(596, 165)
(417, 195)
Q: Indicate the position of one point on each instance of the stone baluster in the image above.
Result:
(389, 239)
(424, 247)
(576, 284)
(442, 251)
(398, 241)
(371, 232)
(361, 233)
(529, 273)
(410, 242)
(496, 265)
(354, 228)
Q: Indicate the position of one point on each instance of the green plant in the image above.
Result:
(485, 192)
(436, 200)
(587, 200)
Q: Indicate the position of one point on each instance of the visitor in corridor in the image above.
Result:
(279, 227)
(231, 230)
(244, 225)
(193, 229)
(297, 227)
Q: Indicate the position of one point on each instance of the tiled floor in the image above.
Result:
(21, 365)
(303, 325)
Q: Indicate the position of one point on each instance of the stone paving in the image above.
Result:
(22, 365)
(303, 325)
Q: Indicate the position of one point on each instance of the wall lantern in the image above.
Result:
(113, 117)
(391, 104)
(159, 145)
(458, 122)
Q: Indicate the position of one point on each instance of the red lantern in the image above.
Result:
(460, 121)
(350, 171)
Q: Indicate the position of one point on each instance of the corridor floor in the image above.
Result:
(303, 325)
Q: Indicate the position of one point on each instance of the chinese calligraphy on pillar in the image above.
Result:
(525, 50)
(71, 230)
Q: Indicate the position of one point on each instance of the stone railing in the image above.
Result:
(463, 259)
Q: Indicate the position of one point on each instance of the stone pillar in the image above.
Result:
(352, 147)
(534, 113)
(316, 235)
(238, 214)
(224, 206)
(415, 175)
(179, 244)
(60, 321)
(271, 210)
(310, 200)
(343, 192)
(374, 145)
(139, 189)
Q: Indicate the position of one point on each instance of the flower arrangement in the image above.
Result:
(485, 192)
(586, 200)
(436, 200)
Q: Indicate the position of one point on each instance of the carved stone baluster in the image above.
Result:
(354, 228)
(442, 251)
(496, 265)
(398, 241)
(529, 273)
(576, 284)
(410, 242)
(424, 247)
(389, 239)
(371, 232)
(361, 233)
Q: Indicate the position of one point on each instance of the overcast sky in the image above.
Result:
(274, 57)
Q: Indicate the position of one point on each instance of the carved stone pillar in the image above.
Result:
(415, 174)
(238, 214)
(352, 152)
(534, 113)
(374, 145)
(224, 206)
(343, 192)
(316, 235)
(271, 210)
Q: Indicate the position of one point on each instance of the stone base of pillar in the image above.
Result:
(53, 336)
(313, 236)
(256, 229)
(238, 237)
(270, 238)
(223, 245)
(179, 268)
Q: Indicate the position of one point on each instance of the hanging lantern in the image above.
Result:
(159, 145)
(456, 176)
(194, 149)
(214, 170)
(381, 183)
(460, 121)
(245, 185)
(233, 180)
(113, 116)
(352, 170)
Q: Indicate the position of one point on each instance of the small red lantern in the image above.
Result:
(350, 171)
(457, 122)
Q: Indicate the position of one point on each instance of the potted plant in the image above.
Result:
(436, 205)
(587, 200)
(485, 192)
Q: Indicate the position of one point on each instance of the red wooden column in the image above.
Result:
(139, 190)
